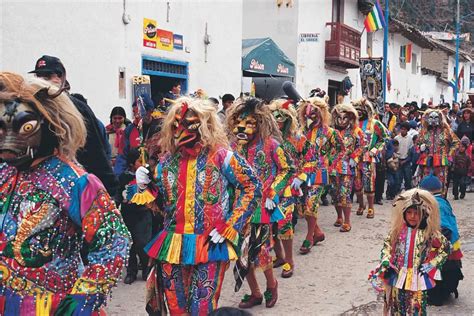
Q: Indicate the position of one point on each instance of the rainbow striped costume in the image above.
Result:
(408, 294)
(47, 212)
(194, 197)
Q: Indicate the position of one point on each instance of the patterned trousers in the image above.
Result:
(365, 178)
(194, 289)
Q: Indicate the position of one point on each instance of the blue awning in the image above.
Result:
(262, 57)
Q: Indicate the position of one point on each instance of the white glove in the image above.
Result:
(352, 163)
(296, 184)
(422, 147)
(216, 237)
(141, 175)
(373, 152)
(269, 204)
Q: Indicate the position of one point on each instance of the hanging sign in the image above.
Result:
(178, 41)
(164, 40)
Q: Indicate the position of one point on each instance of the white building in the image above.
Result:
(98, 48)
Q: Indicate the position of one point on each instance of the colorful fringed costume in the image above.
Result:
(413, 253)
(253, 131)
(375, 137)
(50, 206)
(194, 183)
(437, 143)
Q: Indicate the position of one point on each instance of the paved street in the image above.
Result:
(332, 279)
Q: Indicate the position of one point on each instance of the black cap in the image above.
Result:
(49, 64)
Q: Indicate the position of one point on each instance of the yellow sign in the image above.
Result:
(149, 33)
(164, 39)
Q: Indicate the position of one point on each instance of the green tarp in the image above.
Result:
(262, 57)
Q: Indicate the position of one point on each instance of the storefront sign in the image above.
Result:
(164, 40)
(254, 64)
(149, 33)
(178, 41)
(282, 69)
(309, 37)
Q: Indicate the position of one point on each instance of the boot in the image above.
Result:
(130, 278)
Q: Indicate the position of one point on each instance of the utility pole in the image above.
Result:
(385, 51)
(456, 67)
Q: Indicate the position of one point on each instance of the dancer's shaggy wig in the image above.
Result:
(426, 205)
(365, 104)
(321, 103)
(211, 130)
(344, 108)
(289, 110)
(267, 126)
(59, 113)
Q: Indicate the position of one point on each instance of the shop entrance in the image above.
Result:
(164, 73)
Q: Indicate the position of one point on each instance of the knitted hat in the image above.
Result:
(465, 141)
(431, 183)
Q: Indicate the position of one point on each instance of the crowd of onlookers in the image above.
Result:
(398, 165)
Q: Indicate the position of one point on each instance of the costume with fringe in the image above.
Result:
(295, 147)
(325, 152)
(405, 284)
(193, 194)
(441, 144)
(48, 211)
(274, 169)
(375, 136)
(353, 141)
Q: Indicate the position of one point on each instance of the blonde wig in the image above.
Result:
(427, 113)
(321, 103)
(366, 105)
(59, 113)
(339, 108)
(289, 110)
(267, 125)
(211, 130)
(426, 205)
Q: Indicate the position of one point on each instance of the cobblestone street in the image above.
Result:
(332, 279)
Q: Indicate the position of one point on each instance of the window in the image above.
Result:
(338, 11)
(414, 64)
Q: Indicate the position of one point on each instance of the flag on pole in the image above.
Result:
(452, 83)
(375, 20)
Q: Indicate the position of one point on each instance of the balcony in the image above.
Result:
(343, 49)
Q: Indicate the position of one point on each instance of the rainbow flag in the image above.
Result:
(375, 20)
(405, 53)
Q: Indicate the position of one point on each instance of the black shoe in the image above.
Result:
(379, 202)
(145, 272)
(130, 278)
(325, 201)
(456, 198)
(462, 196)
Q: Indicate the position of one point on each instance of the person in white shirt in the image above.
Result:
(405, 151)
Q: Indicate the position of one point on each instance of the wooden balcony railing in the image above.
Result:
(343, 49)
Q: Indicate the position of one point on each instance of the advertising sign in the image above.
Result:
(178, 41)
(149, 33)
(164, 40)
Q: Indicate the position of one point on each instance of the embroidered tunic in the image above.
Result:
(354, 142)
(47, 212)
(375, 136)
(441, 144)
(193, 192)
(325, 151)
(274, 169)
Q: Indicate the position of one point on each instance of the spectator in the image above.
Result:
(227, 102)
(465, 128)
(93, 155)
(138, 218)
(468, 104)
(173, 93)
(214, 102)
(405, 149)
(462, 164)
(393, 116)
(115, 131)
(393, 165)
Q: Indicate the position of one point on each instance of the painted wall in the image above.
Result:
(91, 40)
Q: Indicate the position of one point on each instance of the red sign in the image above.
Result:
(164, 39)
